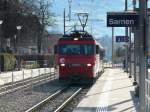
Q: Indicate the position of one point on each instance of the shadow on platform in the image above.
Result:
(109, 108)
(110, 90)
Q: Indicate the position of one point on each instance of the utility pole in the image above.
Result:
(126, 5)
(130, 76)
(135, 48)
(126, 34)
(64, 22)
(112, 46)
(134, 4)
(69, 1)
(136, 54)
(143, 17)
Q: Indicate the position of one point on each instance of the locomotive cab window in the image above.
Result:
(76, 49)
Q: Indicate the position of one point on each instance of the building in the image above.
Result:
(52, 40)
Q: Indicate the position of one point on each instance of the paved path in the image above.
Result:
(113, 92)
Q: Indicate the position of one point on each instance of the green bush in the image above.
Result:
(8, 61)
(35, 65)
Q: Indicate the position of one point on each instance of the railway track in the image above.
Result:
(57, 101)
(25, 83)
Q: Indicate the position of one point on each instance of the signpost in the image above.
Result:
(122, 39)
(122, 19)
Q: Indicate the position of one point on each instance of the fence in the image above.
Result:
(112, 65)
(27, 74)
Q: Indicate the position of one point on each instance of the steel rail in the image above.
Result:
(59, 109)
(24, 86)
(45, 100)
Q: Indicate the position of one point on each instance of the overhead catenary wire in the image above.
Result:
(82, 8)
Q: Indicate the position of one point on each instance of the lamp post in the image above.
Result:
(1, 21)
(16, 40)
(15, 37)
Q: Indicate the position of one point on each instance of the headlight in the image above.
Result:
(89, 65)
(62, 65)
(76, 39)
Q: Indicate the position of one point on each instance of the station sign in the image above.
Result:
(122, 19)
(122, 39)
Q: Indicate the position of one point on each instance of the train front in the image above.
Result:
(76, 58)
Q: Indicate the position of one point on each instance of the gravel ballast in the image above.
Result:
(53, 104)
(21, 100)
(76, 100)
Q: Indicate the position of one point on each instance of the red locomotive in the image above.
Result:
(79, 57)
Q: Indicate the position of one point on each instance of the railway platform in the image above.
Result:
(112, 92)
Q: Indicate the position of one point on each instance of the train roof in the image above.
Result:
(81, 35)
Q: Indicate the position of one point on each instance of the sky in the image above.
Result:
(97, 10)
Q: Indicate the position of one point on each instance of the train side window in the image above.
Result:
(97, 49)
(55, 49)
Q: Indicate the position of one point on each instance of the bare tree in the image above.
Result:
(41, 8)
(16, 10)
